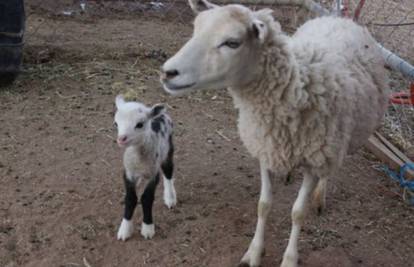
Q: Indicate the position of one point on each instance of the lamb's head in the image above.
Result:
(133, 121)
(224, 50)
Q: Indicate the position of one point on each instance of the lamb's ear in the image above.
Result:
(156, 110)
(260, 30)
(119, 101)
(200, 5)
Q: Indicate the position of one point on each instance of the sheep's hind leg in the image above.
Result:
(147, 200)
(170, 196)
(290, 257)
(127, 227)
(254, 253)
(319, 196)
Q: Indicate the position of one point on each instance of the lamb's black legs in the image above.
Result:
(130, 198)
(147, 200)
(126, 227)
(170, 198)
(168, 165)
(168, 168)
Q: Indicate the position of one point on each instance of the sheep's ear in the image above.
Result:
(119, 101)
(156, 110)
(261, 21)
(265, 13)
(260, 30)
(200, 5)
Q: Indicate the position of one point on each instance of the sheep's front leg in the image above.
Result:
(147, 200)
(290, 257)
(253, 255)
(126, 228)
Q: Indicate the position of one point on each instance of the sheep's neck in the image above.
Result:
(269, 105)
(277, 79)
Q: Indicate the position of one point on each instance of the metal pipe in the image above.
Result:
(397, 63)
(358, 9)
(338, 7)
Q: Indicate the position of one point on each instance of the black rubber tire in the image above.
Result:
(7, 78)
(12, 27)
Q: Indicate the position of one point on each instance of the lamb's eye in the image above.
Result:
(115, 125)
(233, 44)
(139, 125)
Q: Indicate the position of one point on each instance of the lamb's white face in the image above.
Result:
(221, 53)
(133, 121)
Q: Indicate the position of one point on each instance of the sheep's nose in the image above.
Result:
(122, 140)
(169, 74)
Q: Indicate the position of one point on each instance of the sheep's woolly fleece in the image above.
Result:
(321, 92)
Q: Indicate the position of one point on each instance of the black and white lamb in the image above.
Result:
(146, 135)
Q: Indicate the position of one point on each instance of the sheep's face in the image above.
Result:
(223, 51)
(133, 121)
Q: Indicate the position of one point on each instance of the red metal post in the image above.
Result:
(358, 9)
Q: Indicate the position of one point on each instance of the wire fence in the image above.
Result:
(390, 21)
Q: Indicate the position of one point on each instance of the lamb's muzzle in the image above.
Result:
(122, 140)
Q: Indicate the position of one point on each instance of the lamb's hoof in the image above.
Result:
(125, 230)
(147, 230)
(252, 257)
(170, 199)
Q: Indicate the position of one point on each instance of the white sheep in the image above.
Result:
(146, 135)
(304, 101)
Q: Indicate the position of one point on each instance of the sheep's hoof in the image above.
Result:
(125, 230)
(288, 264)
(245, 264)
(288, 179)
(252, 257)
(319, 207)
(290, 260)
(147, 230)
(319, 210)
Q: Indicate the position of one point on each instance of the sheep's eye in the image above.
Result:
(139, 125)
(115, 125)
(233, 44)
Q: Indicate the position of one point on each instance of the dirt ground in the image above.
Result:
(61, 187)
